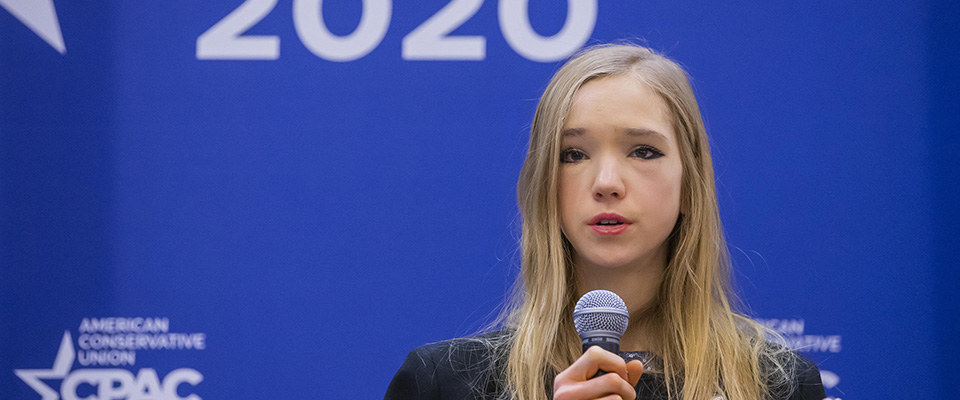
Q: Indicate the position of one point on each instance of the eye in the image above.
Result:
(647, 152)
(570, 156)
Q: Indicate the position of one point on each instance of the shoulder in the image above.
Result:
(808, 384)
(790, 376)
(456, 368)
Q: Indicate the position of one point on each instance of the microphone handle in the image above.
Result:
(607, 344)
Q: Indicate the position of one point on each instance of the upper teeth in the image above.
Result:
(608, 222)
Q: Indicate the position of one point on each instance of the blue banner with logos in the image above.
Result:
(279, 199)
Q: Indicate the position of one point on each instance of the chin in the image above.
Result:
(611, 262)
(612, 259)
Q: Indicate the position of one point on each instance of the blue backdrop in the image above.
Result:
(263, 199)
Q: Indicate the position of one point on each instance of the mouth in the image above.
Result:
(607, 219)
(609, 224)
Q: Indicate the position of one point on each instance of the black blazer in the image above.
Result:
(461, 369)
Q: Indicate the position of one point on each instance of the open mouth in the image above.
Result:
(608, 219)
(609, 222)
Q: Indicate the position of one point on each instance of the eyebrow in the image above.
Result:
(643, 132)
(628, 131)
(573, 132)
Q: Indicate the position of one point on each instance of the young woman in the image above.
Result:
(617, 193)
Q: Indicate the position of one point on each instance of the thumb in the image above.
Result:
(634, 370)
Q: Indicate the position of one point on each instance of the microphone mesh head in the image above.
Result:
(601, 311)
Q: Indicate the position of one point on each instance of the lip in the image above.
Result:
(609, 229)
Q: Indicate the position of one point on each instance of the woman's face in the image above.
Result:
(620, 175)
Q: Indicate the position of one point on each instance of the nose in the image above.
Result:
(608, 182)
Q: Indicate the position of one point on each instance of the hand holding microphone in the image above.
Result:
(601, 318)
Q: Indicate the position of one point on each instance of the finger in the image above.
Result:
(593, 360)
(611, 397)
(634, 370)
(605, 385)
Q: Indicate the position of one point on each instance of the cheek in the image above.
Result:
(676, 189)
(665, 193)
(566, 198)
(677, 185)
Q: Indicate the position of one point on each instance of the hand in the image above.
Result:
(575, 383)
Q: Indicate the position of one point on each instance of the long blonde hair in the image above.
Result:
(707, 348)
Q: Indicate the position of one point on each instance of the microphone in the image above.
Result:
(601, 319)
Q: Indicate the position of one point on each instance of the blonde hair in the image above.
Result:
(707, 348)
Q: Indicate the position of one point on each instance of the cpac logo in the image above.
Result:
(40, 17)
(107, 383)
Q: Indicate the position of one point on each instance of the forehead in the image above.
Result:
(621, 103)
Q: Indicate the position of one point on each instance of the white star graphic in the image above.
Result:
(61, 366)
(40, 17)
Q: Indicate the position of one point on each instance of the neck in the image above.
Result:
(637, 285)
